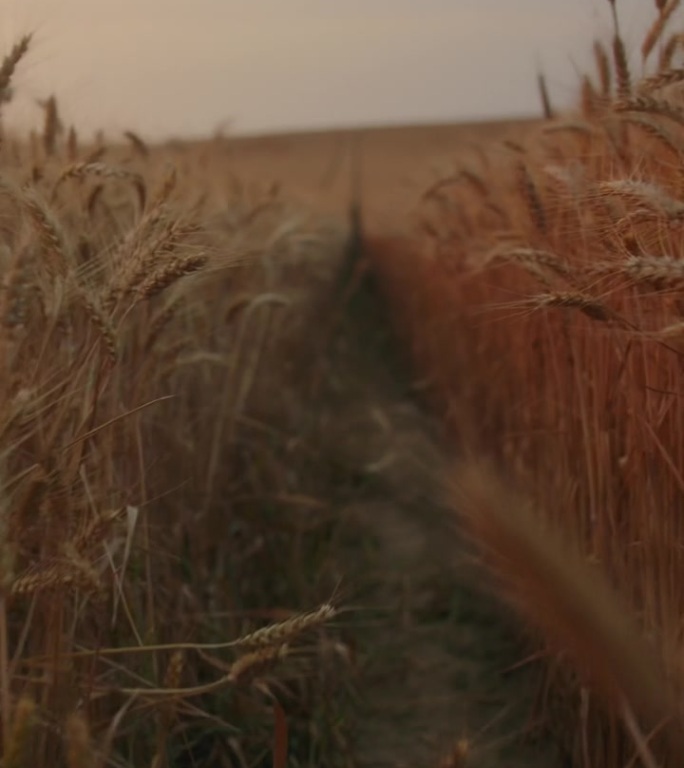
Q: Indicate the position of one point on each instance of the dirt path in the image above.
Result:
(433, 650)
(438, 674)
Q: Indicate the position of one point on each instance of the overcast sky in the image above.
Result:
(184, 67)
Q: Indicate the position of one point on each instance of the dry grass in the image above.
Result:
(544, 310)
(143, 477)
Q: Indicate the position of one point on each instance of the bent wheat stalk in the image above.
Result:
(551, 582)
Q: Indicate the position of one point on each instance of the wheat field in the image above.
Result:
(550, 273)
(179, 454)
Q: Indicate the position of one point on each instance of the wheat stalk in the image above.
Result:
(658, 27)
(658, 271)
(286, 631)
(169, 273)
(52, 126)
(661, 79)
(668, 51)
(545, 97)
(72, 144)
(645, 193)
(56, 573)
(253, 665)
(137, 143)
(100, 170)
(622, 73)
(603, 69)
(530, 195)
(589, 306)
(657, 131)
(9, 65)
(650, 105)
(535, 256)
(551, 582)
(50, 234)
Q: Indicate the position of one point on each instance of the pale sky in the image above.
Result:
(184, 67)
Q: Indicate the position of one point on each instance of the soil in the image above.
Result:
(439, 673)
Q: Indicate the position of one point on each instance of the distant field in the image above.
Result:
(397, 163)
